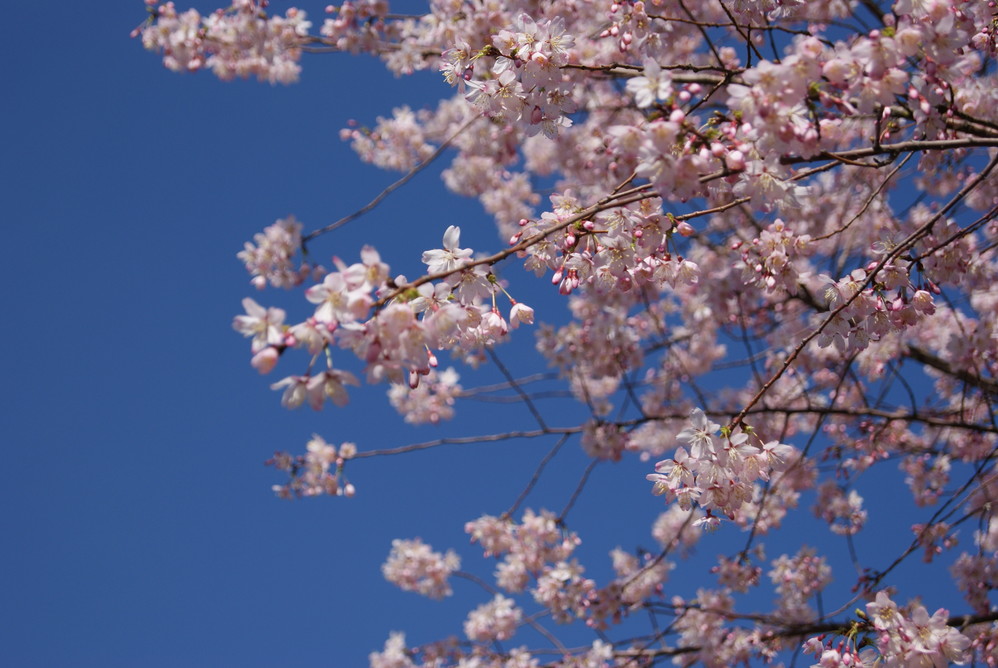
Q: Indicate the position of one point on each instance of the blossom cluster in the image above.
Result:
(751, 210)
(431, 401)
(798, 578)
(525, 85)
(902, 637)
(238, 42)
(495, 620)
(318, 471)
(412, 565)
(536, 548)
(397, 343)
(716, 474)
(270, 257)
(843, 511)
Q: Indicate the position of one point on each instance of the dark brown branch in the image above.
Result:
(987, 385)
(890, 257)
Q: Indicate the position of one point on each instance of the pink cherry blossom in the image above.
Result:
(771, 226)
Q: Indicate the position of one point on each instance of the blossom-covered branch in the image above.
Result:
(763, 215)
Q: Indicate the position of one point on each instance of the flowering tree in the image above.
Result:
(772, 222)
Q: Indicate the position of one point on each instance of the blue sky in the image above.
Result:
(140, 527)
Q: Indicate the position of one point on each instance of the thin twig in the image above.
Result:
(390, 189)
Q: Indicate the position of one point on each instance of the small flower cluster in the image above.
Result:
(976, 576)
(609, 255)
(717, 476)
(394, 654)
(674, 530)
(536, 548)
(524, 86)
(739, 574)
(239, 42)
(496, 620)
(771, 261)
(797, 579)
(637, 581)
(927, 477)
(911, 638)
(703, 628)
(264, 325)
(397, 143)
(270, 258)
(396, 342)
(869, 311)
(358, 25)
(843, 512)
(914, 638)
(934, 538)
(318, 471)
(414, 566)
(431, 401)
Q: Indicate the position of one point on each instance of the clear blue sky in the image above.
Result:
(138, 523)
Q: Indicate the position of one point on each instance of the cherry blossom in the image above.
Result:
(414, 566)
(450, 257)
(772, 228)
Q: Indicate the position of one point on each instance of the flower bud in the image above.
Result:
(265, 360)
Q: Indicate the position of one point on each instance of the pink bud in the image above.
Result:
(265, 360)
(685, 229)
